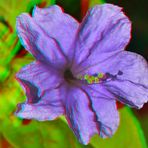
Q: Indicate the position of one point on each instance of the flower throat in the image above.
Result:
(68, 76)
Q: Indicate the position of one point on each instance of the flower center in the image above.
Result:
(99, 77)
(68, 76)
(92, 79)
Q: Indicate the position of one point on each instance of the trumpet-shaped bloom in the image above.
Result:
(81, 69)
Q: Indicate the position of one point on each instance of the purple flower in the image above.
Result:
(80, 69)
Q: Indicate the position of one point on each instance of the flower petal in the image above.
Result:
(43, 38)
(131, 86)
(128, 92)
(128, 77)
(36, 41)
(44, 91)
(79, 115)
(104, 30)
(38, 112)
(87, 116)
(59, 25)
(104, 106)
(48, 107)
(133, 67)
(36, 78)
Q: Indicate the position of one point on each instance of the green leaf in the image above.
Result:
(128, 135)
(142, 116)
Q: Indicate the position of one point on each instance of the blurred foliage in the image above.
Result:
(9, 44)
(142, 116)
(16, 132)
(10, 9)
(95, 2)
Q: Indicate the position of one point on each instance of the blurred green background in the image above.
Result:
(18, 133)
